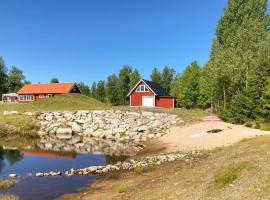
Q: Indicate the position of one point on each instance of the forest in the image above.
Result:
(234, 82)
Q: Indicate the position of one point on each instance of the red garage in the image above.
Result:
(150, 94)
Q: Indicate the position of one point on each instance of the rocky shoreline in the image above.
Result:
(127, 165)
(105, 124)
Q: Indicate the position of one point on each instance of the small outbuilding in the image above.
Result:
(149, 94)
(10, 98)
(35, 92)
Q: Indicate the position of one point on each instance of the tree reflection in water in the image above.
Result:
(12, 156)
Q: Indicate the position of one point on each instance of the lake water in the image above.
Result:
(33, 160)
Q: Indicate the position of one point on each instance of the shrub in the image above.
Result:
(121, 188)
(140, 169)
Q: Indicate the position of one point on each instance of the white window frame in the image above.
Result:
(26, 97)
(139, 88)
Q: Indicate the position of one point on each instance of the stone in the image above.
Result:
(10, 113)
(12, 175)
(64, 133)
(48, 145)
(39, 174)
(75, 140)
(49, 118)
(42, 133)
(76, 128)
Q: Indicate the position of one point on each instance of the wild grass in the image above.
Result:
(229, 175)
(142, 169)
(9, 197)
(5, 184)
(122, 188)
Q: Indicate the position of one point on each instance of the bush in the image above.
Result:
(121, 188)
(140, 169)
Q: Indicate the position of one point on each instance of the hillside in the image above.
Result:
(59, 102)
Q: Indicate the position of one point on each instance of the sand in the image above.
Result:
(181, 138)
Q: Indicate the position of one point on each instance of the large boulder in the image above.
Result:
(64, 133)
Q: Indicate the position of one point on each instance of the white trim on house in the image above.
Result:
(26, 97)
(138, 85)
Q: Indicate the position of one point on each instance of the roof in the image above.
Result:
(155, 87)
(50, 88)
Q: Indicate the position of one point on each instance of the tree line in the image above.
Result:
(235, 82)
(115, 88)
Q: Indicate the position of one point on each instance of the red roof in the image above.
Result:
(50, 88)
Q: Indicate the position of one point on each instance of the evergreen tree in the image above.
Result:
(85, 90)
(134, 78)
(112, 92)
(156, 76)
(186, 87)
(93, 90)
(124, 83)
(3, 77)
(100, 91)
(54, 80)
(167, 77)
(15, 79)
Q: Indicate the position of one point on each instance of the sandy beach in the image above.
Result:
(193, 137)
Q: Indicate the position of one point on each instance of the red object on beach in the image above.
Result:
(211, 118)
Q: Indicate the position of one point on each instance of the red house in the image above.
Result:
(35, 92)
(150, 94)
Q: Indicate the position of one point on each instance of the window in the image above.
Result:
(26, 97)
(49, 95)
(41, 96)
(142, 88)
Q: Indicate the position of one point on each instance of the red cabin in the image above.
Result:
(35, 92)
(150, 94)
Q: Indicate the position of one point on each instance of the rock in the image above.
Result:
(10, 113)
(75, 140)
(12, 175)
(48, 146)
(42, 133)
(56, 173)
(76, 128)
(39, 174)
(49, 118)
(64, 133)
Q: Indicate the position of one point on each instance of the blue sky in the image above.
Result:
(86, 40)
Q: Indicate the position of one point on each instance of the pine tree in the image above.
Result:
(54, 80)
(124, 83)
(156, 76)
(85, 90)
(93, 90)
(186, 86)
(3, 77)
(112, 92)
(100, 91)
(134, 78)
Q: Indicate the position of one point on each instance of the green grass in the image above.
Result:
(122, 188)
(5, 184)
(229, 175)
(188, 115)
(57, 103)
(9, 197)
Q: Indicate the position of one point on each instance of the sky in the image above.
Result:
(87, 40)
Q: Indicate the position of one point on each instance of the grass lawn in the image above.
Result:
(57, 103)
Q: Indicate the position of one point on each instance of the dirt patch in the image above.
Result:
(152, 147)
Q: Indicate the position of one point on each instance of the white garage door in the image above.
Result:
(148, 101)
